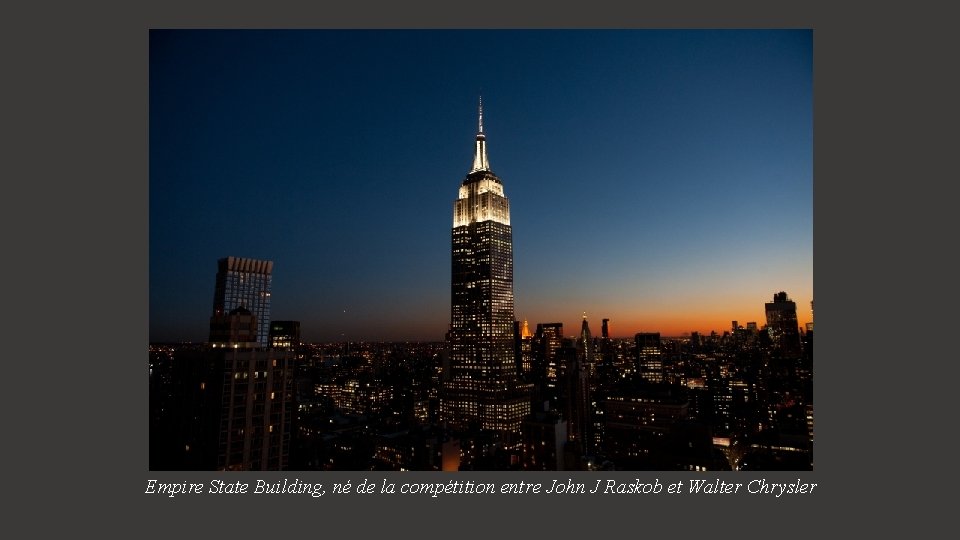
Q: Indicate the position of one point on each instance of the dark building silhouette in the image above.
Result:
(482, 389)
(224, 408)
(585, 348)
(636, 426)
(574, 389)
(782, 325)
(285, 334)
(236, 328)
(544, 440)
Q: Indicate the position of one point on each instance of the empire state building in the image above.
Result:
(481, 389)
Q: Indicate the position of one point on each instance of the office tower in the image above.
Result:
(257, 381)
(585, 348)
(482, 390)
(574, 393)
(229, 406)
(782, 325)
(285, 334)
(637, 424)
(544, 442)
(649, 358)
(546, 366)
(524, 349)
(603, 355)
(547, 339)
(257, 409)
(244, 283)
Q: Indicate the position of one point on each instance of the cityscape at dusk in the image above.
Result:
(629, 211)
(659, 179)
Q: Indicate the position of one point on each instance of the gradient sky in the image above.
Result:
(662, 179)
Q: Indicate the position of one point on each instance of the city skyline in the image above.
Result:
(661, 179)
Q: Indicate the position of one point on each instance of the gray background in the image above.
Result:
(75, 224)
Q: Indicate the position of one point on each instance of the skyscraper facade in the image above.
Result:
(585, 346)
(256, 408)
(244, 283)
(649, 358)
(524, 349)
(782, 325)
(482, 390)
(257, 396)
(546, 361)
(229, 406)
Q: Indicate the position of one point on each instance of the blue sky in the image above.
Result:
(659, 178)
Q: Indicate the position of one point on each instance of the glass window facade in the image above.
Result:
(245, 283)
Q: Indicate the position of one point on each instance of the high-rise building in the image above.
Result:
(544, 441)
(585, 348)
(649, 357)
(285, 334)
(257, 409)
(546, 364)
(244, 283)
(575, 396)
(229, 405)
(257, 389)
(524, 348)
(636, 426)
(782, 325)
(482, 390)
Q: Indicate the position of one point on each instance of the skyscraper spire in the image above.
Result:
(480, 162)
